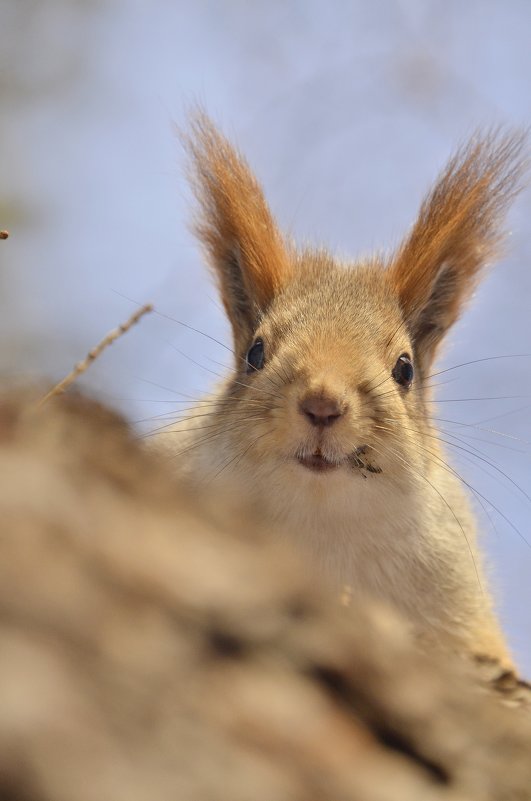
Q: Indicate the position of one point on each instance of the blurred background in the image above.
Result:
(345, 109)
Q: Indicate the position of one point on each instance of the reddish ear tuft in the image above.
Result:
(457, 233)
(243, 243)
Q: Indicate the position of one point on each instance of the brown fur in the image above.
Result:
(456, 234)
(243, 244)
(367, 492)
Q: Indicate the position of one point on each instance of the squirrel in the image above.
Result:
(324, 423)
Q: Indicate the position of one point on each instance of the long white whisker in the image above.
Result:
(441, 496)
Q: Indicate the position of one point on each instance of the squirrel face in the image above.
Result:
(334, 386)
(333, 360)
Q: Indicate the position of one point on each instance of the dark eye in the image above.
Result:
(403, 371)
(255, 356)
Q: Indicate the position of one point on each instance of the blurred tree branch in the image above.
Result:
(153, 645)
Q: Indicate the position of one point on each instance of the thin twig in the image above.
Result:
(4, 234)
(93, 354)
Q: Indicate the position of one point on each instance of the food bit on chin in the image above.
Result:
(359, 459)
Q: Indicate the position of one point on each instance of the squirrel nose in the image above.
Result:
(320, 409)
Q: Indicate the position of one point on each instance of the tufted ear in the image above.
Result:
(458, 231)
(244, 246)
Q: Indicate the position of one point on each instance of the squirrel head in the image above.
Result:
(333, 360)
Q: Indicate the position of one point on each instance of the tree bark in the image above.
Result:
(154, 645)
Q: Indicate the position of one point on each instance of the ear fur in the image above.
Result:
(458, 231)
(244, 246)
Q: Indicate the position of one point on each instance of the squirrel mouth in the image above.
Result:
(317, 462)
(358, 459)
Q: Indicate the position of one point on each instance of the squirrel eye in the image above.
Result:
(255, 356)
(403, 371)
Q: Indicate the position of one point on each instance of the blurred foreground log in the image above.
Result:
(155, 647)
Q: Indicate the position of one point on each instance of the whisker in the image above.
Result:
(496, 508)
(239, 456)
(219, 375)
(179, 322)
(448, 468)
(506, 414)
(480, 428)
(475, 400)
(483, 359)
(412, 390)
(166, 389)
(181, 416)
(479, 495)
(468, 436)
(477, 455)
(226, 430)
(480, 439)
(213, 425)
(449, 507)
(269, 365)
(205, 439)
(208, 410)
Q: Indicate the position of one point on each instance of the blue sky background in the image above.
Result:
(346, 110)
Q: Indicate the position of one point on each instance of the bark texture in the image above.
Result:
(155, 646)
